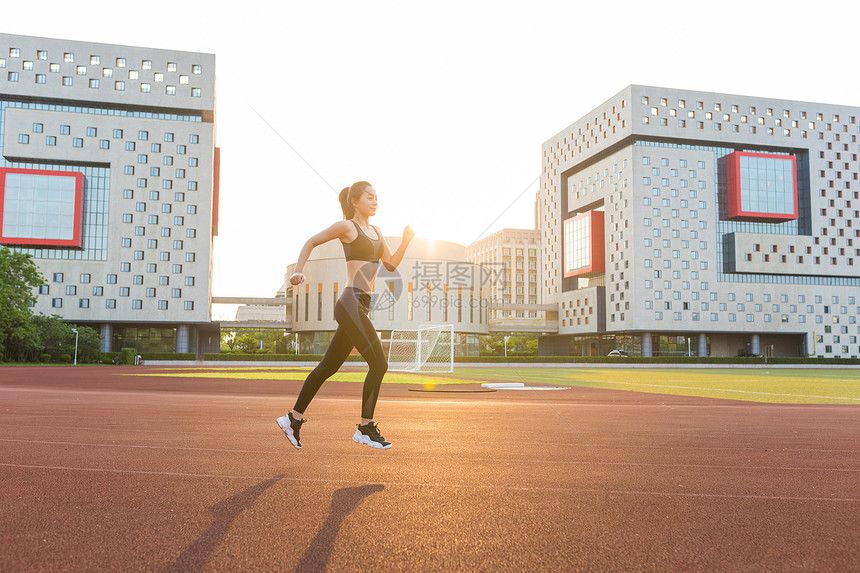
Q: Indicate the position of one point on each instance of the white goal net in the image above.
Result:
(425, 349)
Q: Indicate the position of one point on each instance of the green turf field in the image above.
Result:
(786, 386)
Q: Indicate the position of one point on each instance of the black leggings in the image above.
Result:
(354, 330)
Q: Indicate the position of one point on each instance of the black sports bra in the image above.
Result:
(363, 248)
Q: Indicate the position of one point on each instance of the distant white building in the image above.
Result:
(513, 257)
(677, 221)
(434, 284)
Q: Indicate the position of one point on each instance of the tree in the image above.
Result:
(228, 338)
(89, 344)
(247, 344)
(19, 275)
(524, 344)
(56, 337)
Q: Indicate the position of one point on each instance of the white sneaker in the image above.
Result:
(368, 434)
(291, 428)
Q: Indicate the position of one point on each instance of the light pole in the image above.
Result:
(75, 330)
(506, 346)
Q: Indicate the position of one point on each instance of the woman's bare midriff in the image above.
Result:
(361, 274)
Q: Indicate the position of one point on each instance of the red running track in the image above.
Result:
(101, 471)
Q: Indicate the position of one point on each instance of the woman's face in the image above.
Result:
(366, 204)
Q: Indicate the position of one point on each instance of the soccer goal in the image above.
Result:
(424, 349)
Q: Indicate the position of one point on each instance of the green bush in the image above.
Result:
(126, 356)
(219, 357)
(108, 357)
(44, 357)
(168, 356)
(64, 358)
(621, 360)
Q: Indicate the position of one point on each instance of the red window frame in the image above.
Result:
(75, 241)
(733, 196)
(598, 254)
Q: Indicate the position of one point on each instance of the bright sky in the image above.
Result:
(443, 106)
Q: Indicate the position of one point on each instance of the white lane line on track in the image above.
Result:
(616, 446)
(448, 485)
(280, 452)
(573, 383)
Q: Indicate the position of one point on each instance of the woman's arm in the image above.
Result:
(337, 230)
(391, 261)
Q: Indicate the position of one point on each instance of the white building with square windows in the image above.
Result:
(683, 222)
(109, 179)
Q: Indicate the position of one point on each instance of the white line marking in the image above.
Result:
(616, 446)
(450, 485)
(573, 382)
(279, 452)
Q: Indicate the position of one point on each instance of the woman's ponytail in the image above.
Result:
(348, 209)
(350, 194)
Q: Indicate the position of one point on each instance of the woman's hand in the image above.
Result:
(408, 234)
(297, 279)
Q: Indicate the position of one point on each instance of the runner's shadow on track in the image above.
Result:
(196, 555)
(343, 502)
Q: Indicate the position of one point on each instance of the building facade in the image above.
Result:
(433, 285)
(512, 256)
(683, 222)
(109, 179)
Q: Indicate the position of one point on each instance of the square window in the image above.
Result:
(41, 207)
(761, 187)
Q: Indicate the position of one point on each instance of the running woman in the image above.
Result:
(364, 246)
